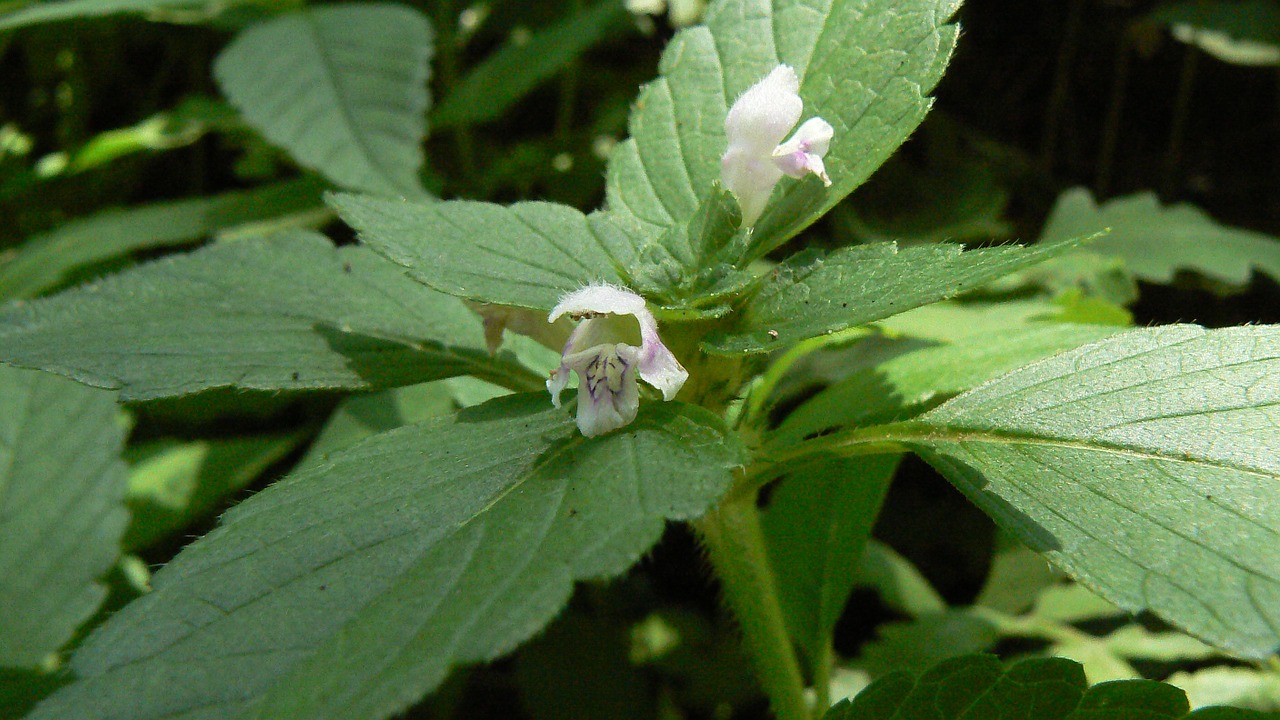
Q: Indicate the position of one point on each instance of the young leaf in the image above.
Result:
(289, 312)
(62, 512)
(978, 687)
(865, 66)
(350, 589)
(1156, 241)
(1143, 465)
(816, 526)
(512, 72)
(816, 294)
(528, 254)
(46, 261)
(343, 88)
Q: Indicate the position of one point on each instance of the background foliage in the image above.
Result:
(130, 129)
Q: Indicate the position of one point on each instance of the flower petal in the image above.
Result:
(658, 366)
(608, 397)
(802, 153)
(761, 117)
(598, 299)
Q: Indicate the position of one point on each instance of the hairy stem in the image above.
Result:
(735, 544)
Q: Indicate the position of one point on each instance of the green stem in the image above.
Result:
(735, 544)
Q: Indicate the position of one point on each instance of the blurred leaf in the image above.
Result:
(978, 687)
(815, 528)
(593, 652)
(865, 66)
(62, 513)
(1143, 465)
(48, 260)
(528, 254)
(164, 10)
(900, 584)
(1071, 602)
(1242, 32)
(1256, 689)
(1156, 241)
(290, 312)
(174, 484)
(360, 416)
(513, 71)
(342, 87)
(919, 644)
(299, 606)
(815, 294)
(1017, 576)
(1135, 641)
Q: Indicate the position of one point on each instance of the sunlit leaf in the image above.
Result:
(527, 255)
(290, 312)
(343, 88)
(815, 294)
(866, 67)
(350, 589)
(1143, 465)
(1157, 241)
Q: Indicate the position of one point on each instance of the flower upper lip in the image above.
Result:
(757, 156)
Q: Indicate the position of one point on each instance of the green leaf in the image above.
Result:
(816, 294)
(173, 484)
(512, 72)
(922, 642)
(350, 589)
(290, 312)
(343, 88)
(865, 67)
(815, 528)
(900, 584)
(1156, 241)
(973, 687)
(1143, 465)
(528, 254)
(48, 260)
(977, 687)
(163, 10)
(62, 513)
(914, 380)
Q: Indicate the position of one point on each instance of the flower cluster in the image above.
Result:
(757, 156)
(616, 342)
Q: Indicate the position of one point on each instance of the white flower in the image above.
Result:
(603, 352)
(757, 156)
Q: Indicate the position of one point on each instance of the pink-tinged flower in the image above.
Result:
(757, 156)
(615, 340)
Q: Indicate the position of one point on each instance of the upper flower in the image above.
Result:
(757, 156)
(602, 349)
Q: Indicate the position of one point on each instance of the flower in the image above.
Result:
(757, 156)
(607, 365)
